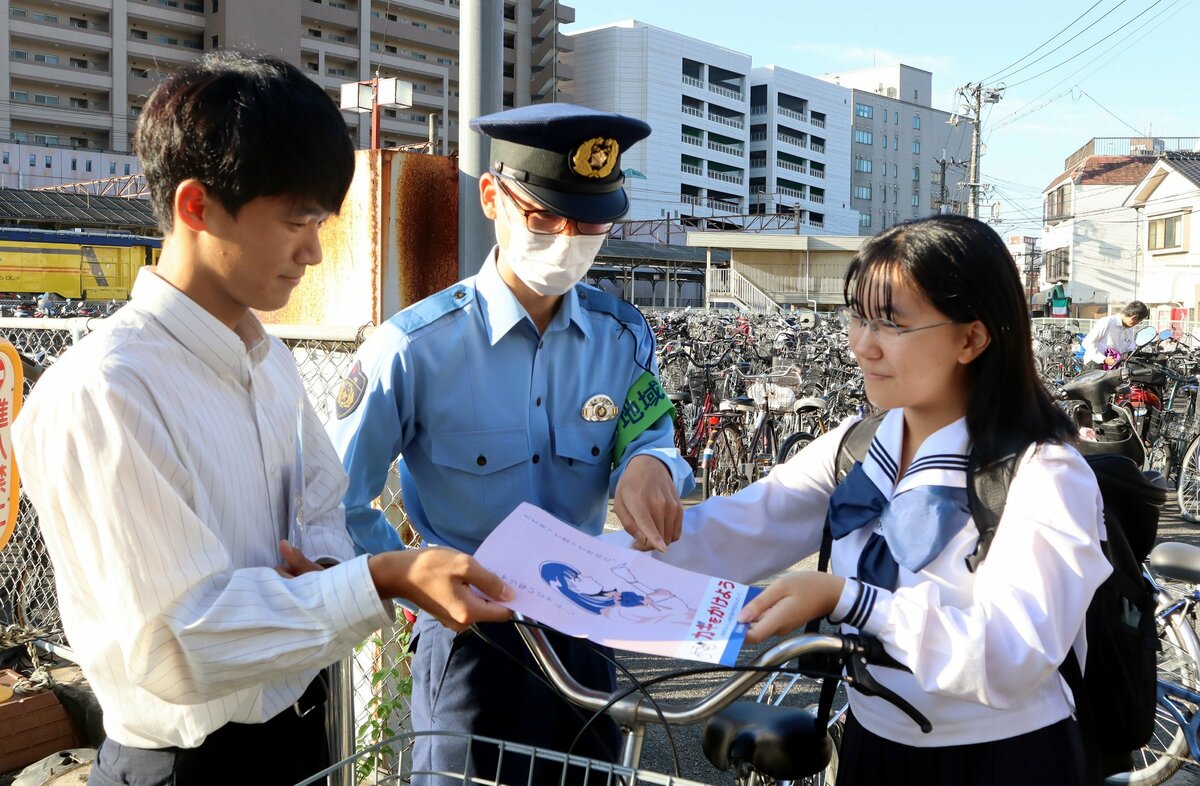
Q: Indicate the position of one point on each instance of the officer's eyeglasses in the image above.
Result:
(883, 330)
(545, 222)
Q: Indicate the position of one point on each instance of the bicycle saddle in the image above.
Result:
(740, 403)
(686, 398)
(785, 743)
(1180, 561)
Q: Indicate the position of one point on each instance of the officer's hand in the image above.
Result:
(647, 503)
(791, 601)
(294, 562)
(439, 580)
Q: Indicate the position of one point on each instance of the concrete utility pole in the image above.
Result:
(976, 96)
(481, 69)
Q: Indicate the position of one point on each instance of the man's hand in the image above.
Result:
(294, 562)
(439, 580)
(648, 505)
(789, 602)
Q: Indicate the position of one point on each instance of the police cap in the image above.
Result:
(567, 157)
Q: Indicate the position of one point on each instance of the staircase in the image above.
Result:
(724, 285)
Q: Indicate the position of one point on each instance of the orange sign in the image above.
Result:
(11, 388)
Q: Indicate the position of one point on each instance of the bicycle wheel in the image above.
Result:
(1187, 491)
(793, 445)
(725, 471)
(1179, 663)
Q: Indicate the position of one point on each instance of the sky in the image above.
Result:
(1072, 70)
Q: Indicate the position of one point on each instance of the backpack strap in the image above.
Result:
(987, 491)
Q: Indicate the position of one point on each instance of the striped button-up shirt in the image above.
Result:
(156, 453)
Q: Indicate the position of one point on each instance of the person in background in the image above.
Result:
(518, 384)
(937, 322)
(156, 449)
(1116, 333)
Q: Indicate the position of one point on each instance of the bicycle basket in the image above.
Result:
(1179, 429)
(379, 764)
(777, 390)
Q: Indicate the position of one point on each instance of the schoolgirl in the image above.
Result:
(938, 323)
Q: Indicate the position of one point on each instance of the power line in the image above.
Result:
(1089, 47)
(1048, 40)
(1110, 114)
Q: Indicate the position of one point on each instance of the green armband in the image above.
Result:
(645, 403)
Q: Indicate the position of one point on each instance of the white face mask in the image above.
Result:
(547, 264)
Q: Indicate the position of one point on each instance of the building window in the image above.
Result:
(864, 220)
(391, 50)
(50, 18)
(216, 42)
(862, 164)
(335, 71)
(112, 168)
(214, 6)
(314, 32)
(916, 201)
(18, 54)
(863, 137)
(127, 169)
(74, 164)
(5, 157)
(18, 12)
(916, 147)
(336, 37)
(885, 114)
(312, 66)
(87, 166)
(140, 35)
(78, 62)
(885, 141)
(38, 98)
(141, 72)
(895, 170)
(80, 23)
(1166, 233)
(32, 160)
(38, 57)
(896, 141)
(49, 161)
(862, 192)
(18, 95)
(79, 103)
(864, 110)
(917, 122)
(916, 174)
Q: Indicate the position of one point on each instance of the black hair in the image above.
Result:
(244, 125)
(963, 268)
(1136, 308)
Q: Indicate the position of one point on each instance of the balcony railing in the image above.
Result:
(726, 121)
(792, 113)
(728, 177)
(758, 163)
(793, 167)
(758, 136)
(816, 222)
(691, 169)
(817, 122)
(818, 173)
(791, 140)
(727, 149)
(817, 198)
(758, 110)
(693, 81)
(795, 193)
(692, 110)
(688, 139)
(715, 204)
(816, 147)
(725, 91)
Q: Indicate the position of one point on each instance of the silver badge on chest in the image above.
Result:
(599, 408)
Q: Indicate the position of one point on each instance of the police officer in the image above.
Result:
(519, 384)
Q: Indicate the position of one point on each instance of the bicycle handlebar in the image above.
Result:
(831, 651)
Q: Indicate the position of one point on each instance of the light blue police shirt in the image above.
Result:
(489, 414)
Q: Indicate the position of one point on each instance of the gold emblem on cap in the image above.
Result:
(595, 157)
(600, 408)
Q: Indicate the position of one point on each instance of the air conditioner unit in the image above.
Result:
(891, 92)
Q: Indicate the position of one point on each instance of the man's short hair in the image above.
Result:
(1136, 309)
(244, 125)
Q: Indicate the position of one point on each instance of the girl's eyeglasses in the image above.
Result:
(881, 329)
(545, 222)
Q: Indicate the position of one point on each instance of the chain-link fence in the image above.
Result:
(371, 704)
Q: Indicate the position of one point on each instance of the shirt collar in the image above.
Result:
(503, 312)
(940, 461)
(198, 331)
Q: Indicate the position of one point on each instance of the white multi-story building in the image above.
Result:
(77, 72)
(799, 149)
(1167, 201)
(908, 159)
(696, 98)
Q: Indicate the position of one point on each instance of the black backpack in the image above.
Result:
(1116, 699)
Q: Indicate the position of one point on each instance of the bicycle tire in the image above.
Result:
(1179, 662)
(792, 445)
(723, 475)
(1187, 490)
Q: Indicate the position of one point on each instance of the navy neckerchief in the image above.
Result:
(915, 525)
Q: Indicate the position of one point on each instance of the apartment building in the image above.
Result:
(78, 71)
(908, 159)
(799, 149)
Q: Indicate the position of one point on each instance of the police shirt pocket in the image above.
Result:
(589, 443)
(480, 452)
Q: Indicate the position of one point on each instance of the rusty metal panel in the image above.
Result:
(394, 241)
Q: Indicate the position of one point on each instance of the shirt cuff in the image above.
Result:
(857, 603)
(354, 596)
(681, 473)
